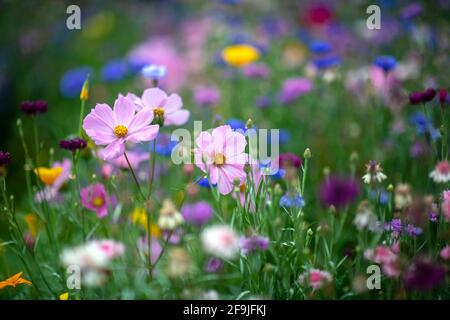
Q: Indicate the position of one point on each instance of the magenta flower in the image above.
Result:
(206, 96)
(294, 88)
(221, 155)
(166, 109)
(95, 198)
(115, 127)
(197, 213)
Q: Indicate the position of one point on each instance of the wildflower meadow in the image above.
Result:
(224, 150)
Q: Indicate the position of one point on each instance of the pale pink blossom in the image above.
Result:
(221, 154)
(316, 278)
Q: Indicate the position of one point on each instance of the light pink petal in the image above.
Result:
(124, 110)
(176, 118)
(146, 133)
(235, 144)
(220, 135)
(143, 118)
(224, 184)
(214, 174)
(198, 159)
(173, 103)
(203, 140)
(136, 100)
(238, 159)
(114, 150)
(105, 113)
(153, 98)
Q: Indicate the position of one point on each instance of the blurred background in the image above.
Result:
(41, 59)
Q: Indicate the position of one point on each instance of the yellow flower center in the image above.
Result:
(120, 131)
(219, 159)
(98, 201)
(158, 112)
(48, 175)
(240, 55)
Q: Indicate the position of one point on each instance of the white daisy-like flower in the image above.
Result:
(169, 217)
(364, 218)
(220, 241)
(374, 173)
(441, 172)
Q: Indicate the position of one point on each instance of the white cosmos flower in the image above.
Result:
(220, 241)
(441, 172)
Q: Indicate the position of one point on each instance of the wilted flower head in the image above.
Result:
(441, 172)
(424, 275)
(220, 241)
(197, 213)
(338, 191)
(95, 198)
(169, 216)
(374, 173)
(73, 144)
(315, 278)
(33, 108)
(180, 263)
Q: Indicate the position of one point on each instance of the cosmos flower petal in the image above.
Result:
(124, 110)
(146, 133)
(153, 98)
(143, 118)
(114, 150)
(178, 117)
(173, 103)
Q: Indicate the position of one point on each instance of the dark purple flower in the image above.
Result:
(395, 226)
(5, 158)
(338, 191)
(73, 144)
(416, 97)
(32, 108)
(254, 243)
(213, 265)
(424, 275)
(197, 213)
(434, 215)
(289, 159)
(428, 94)
(442, 95)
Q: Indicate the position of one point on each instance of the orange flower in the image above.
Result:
(14, 281)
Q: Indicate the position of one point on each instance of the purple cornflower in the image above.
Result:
(294, 88)
(206, 96)
(289, 159)
(338, 191)
(5, 158)
(257, 71)
(213, 265)
(73, 144)
(32, 108)
(413, 231)
(254, 243)
(424, 275)
(197, 213)
(434, 215)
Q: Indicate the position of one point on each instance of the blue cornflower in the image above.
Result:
(72, 81)
(327, 62)
(292, 200)
(387, 63)
(424, 125)
(413, 231)
(164, 145)
(154, 72)
(320, 47)
(204, 182)
(114, 70)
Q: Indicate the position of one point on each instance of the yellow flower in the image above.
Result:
(240, 55)
(31, 221)
(139, 216)
(14, 281)
(48, 175)
(64, 296)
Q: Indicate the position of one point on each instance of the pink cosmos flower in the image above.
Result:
(134, 157)
(115, 127)
(95, 198)
(221, 155)
(165, 108)
(387, 258)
